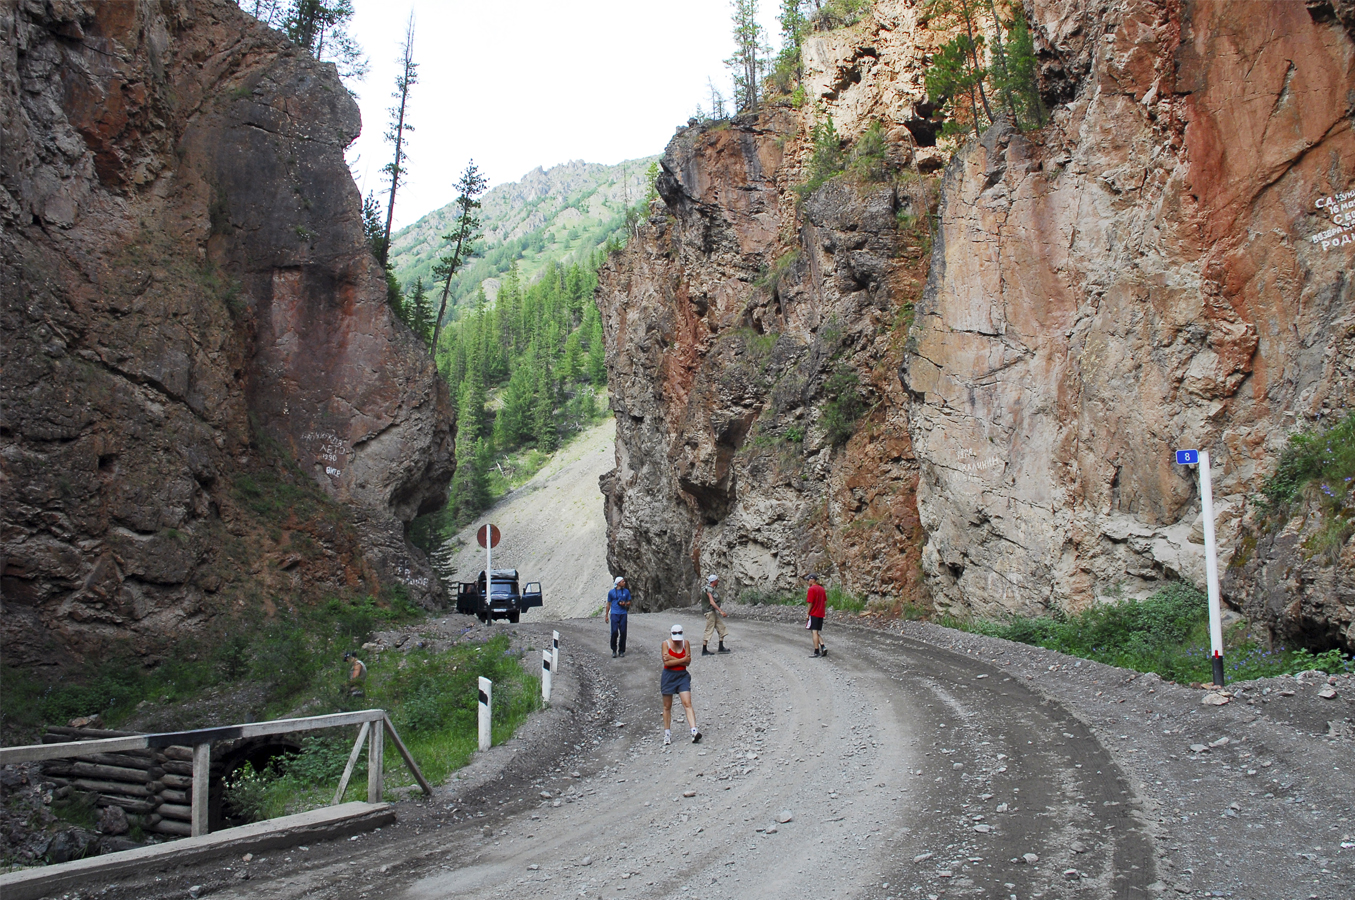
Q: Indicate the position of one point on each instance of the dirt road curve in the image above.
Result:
(913, 762)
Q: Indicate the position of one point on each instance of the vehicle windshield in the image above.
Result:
(501, 590)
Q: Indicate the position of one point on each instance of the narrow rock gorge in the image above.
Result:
(209, 411)
(1163, 265)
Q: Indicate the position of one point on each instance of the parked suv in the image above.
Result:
(503, 600)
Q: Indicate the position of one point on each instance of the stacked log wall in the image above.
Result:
(154, 786)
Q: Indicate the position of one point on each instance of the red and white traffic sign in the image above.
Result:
(488, 533)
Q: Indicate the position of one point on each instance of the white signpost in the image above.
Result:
(1211, 559)
(555, 651)
(486, 696)
(545, 676)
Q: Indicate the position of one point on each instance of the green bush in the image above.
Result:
(1167, 633)
(826, 159)
(869, 157)
(844, 406)
(432, 698)
(1325, 457)
(1320, 465)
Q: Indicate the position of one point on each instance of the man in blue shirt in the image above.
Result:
(618, 607)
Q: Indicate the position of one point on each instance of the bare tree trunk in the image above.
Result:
(408, 76)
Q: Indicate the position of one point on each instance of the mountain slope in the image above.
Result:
(553, 530)
(562, 213)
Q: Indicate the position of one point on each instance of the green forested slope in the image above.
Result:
(562, 214)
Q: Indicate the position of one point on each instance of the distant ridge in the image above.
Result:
(562, 214)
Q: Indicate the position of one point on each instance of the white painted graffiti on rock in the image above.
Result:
(1341, 208)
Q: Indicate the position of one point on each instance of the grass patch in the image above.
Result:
(289, 656)
(838, 599)
(431, 697)
(844, 406)
(1167, 633)
(1317, 466)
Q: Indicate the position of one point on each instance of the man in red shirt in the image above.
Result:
(818, 605)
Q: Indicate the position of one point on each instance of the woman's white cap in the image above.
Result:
(711, 579)
(676, 631)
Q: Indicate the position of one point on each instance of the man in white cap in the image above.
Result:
(714, 615)
(677, 656)
(618, 609)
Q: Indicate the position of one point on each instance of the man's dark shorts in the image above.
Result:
(816, 623)
(675, 682)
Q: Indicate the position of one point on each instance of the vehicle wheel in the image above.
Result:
(513, 617)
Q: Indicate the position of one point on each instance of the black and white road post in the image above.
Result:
(555, 651)
(486, 696)
(1211, 560)
(545, 676)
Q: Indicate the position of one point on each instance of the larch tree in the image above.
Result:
(461, 241)
(750, 52)
(321, 26)
(399, 125)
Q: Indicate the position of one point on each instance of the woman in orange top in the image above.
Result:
(677, 656)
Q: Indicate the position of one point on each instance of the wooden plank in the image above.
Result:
(409, 760)
(179, 754)
(37, 752)
(202, 775)
(177, 781)
(177, 811)
(175, 797)
(375, 761)
(129, 804)
(83, 734)
(170, 826)
(174, 767)
(327, 823)
(110, 773)
(352, 762)
(119, 788)
(172, 743)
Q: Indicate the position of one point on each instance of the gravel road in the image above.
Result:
(915, 761)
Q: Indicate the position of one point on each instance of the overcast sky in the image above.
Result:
(517, 84)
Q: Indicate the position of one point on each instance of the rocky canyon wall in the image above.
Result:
(208, 408)
(1161, 266)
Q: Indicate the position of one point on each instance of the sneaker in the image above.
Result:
(613, 654)
(622, 654)
(667, 737)
(705, 652)
(823, 651)
(696, 736)
(815, 653)
(723, 649)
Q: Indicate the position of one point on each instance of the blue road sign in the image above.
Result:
(1187, 457)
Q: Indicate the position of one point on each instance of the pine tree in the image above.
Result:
(750, 54)
(597, 355)
(462, 238)
(543, 411)
(470, 484)
(419, 311)
(399, 126)
(1023, 67)
(951, 77)
(321, 27)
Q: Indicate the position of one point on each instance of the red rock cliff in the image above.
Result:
(196, 340)
(1147, 272)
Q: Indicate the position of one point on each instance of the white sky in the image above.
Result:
(517, 84)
